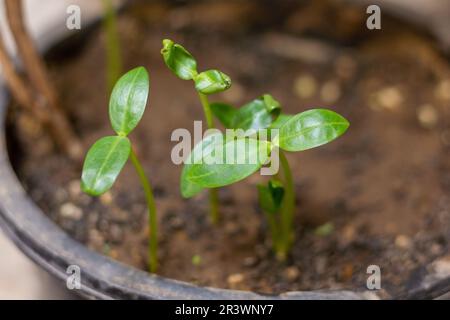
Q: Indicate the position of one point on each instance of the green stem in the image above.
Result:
(213, 194)
(287, 209)
(113, 57)
(207, 110)
(214, 206)
(152, 220)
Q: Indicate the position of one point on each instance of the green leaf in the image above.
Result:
(224, 112)
(310, 129)
(212, 81)
(271, 196)
(225, 161)
(128, 100)
(103, 163)
(280, 121)
(257, 114)
(179, 60)
(188, 188)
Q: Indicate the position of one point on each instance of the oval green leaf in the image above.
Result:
(212, 81)
(187, 187)
(224, 113)
(226, 161)
(179, 60)
(311, 129)
(257, 114)
(103, 163)
(280, 121)
(128, 100)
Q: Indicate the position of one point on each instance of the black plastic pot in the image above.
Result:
(103, 278)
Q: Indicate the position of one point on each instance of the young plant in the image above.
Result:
(209, 165)
(107, 157)
(184, 66)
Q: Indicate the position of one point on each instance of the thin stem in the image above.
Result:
(113, 56)
(214, 206)
(213, 194)
(287, 209)
(152, 220)
(207, 110)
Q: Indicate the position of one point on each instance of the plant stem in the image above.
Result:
(152, 220)
(287, 210)
(213, 194)
(207, 110)
(113, 57)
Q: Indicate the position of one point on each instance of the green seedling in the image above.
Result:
(184, 66)
(107, 157)
(293, 133)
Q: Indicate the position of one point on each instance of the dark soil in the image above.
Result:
(384, 187)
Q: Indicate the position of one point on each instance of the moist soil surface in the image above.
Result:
(380, 192)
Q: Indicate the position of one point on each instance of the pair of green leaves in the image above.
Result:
(107, 157)
(299, 132)
(184, 66)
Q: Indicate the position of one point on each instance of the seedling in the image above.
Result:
(107, 157)
(184, 66)
(291, 133)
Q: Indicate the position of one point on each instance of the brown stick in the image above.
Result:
(21, 92)
(61, 129)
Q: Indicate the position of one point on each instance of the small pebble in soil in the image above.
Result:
(348, 235)
(320, 264)
(388, 98)
(442, 266)
(250, 262)
(305, 86)
(74, 188)
(291, 273)
(70, 211)
(330, 91)
(403, 242)
(106, 198)
(427, 116)
(235, 279)
(442, 90)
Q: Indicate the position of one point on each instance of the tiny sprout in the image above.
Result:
(184, 66)
(298, 132)
(196, 260)
(107, 157)
(325, 229)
